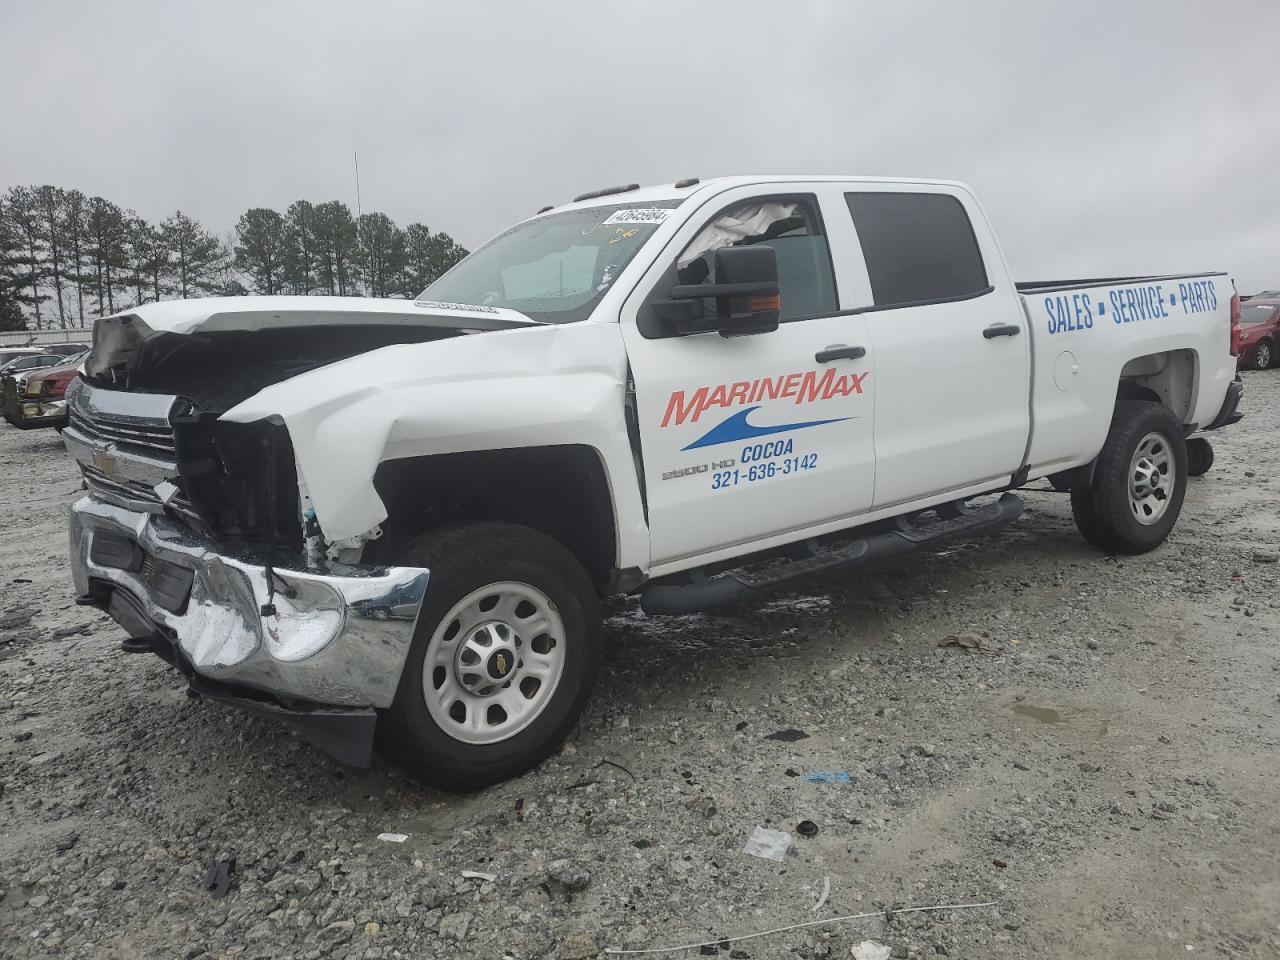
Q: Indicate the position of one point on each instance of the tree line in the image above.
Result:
(66, 258)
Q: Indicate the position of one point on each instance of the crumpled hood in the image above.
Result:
(122, 337)
(210, 314)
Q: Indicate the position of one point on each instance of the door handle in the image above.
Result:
(1001, 330)
(839, 351)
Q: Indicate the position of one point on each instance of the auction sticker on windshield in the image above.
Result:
(653, 215)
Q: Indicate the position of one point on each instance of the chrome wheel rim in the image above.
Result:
(1264, 356)
(494, 662)
(1151, 478)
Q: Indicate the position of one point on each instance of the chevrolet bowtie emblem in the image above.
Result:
(105, 462)
(502, 663)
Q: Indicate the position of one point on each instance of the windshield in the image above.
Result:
(1259, 313)
(556, 268)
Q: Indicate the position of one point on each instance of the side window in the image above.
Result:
(918, 247)
(791, 226)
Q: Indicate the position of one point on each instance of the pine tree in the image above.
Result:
(75, 237)
(108, 251)
(148, 260)
(22, 212)
(382, 253)
(12, 277)
(301, 255)
(427, 256)
(52, 201)
(262, 248)
(194, 255)
(336, 243)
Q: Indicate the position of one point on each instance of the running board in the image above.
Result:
(670, 599)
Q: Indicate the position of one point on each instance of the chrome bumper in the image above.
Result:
(337, 636)
(39, 413)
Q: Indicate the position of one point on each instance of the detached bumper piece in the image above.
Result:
(320, 649)
(1230, 412)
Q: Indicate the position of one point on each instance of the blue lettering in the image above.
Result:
(1183, 294)
(1115, 306)
(765, 451)
(1083, 311)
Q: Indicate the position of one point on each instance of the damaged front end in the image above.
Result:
(197, 535)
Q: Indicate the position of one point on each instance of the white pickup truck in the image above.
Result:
(358, 514)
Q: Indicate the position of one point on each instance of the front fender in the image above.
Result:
(539, 386)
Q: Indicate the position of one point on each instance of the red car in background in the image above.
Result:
(38, 398)
(1259, 333)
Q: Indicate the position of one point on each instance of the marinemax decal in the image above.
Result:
(801, 387)
(736, 427)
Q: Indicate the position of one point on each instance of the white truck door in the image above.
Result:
(950, 340)
(750, 437)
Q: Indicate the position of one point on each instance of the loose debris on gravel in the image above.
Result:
(1108, 777)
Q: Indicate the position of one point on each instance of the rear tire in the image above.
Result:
(1199, 457)
(503, 658)
(1263, 355)
(1139, 481)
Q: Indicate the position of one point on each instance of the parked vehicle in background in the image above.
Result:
(38, 399)
(67, 349)
(351, 513)
(1259, 333)
(1264, 295)
(22, 361)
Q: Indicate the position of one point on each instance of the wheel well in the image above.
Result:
(562, 491)
(1168, 378)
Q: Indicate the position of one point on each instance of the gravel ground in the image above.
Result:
(1108, 772)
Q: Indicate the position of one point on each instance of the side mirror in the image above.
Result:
(746, 295)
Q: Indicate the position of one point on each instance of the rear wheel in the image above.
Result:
(1263, 355)
(1139, 481)
(503, 657)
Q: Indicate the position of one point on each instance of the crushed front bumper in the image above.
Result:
(285, 640)
(29, 414)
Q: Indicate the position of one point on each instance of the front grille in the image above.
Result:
(232, 480)
(134, 495)
(151, 437)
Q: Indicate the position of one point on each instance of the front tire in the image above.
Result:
(1139, 481)
(503, 659)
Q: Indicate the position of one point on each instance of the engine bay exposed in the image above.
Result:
(237, 482)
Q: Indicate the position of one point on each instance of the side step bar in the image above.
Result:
(669, 599)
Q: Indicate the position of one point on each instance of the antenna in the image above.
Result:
(355, 159)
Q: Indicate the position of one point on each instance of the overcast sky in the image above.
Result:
(1103, 137)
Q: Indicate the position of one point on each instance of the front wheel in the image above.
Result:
(1263, 355)
(503, 657)
(1139, 480)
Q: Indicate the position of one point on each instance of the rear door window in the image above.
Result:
(918, 247)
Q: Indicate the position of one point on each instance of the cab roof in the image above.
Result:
(671, 191)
